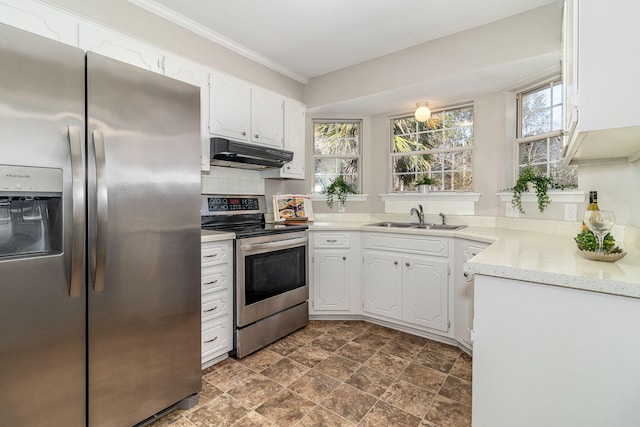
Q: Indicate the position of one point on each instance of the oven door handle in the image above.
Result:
(279, 244)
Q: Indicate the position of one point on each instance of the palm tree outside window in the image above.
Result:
(440, 148)
(337, 150)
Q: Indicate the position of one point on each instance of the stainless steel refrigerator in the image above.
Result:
(99, 238)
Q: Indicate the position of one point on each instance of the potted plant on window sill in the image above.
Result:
(530, 181)
(340, 189)
(424, 184)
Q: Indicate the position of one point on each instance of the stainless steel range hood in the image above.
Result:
(235, 154)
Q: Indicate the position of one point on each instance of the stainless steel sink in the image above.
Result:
(414, 225)
(392, 224)
(438, 227)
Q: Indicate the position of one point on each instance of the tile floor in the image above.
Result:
(337, 373)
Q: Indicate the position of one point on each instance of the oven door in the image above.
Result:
(272, 275)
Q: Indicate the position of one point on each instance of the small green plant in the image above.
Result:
(586, 241)
(426, 181)
(540, 182)
(340, 189)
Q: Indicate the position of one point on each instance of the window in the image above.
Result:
(440, 148)
(539, 135)
(336, 151)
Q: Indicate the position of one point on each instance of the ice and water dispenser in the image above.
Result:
(30, 211)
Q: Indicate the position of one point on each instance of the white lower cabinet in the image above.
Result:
(406, 278)
(463, 288)
(217, 301)
(334, 277)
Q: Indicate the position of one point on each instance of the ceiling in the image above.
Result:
(308, 38)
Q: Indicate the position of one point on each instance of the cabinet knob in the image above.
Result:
(395, 262)
(244, 134)
(344, 258)
(256, 136)
(288, 167)
(466, 274)
(407, 264)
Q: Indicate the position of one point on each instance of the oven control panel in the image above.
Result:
(230, 204)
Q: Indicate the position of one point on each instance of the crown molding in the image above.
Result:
(191, 25)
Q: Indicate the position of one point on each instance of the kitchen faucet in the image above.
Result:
(419, 213)
(444, 218)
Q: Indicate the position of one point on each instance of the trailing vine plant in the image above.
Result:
(340, 189)
(541, 183)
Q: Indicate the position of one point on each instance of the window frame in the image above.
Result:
(559, 133)
(359, 122)
(469, 148)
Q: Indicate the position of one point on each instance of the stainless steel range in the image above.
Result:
(271, 270)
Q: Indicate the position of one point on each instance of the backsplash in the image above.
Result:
(222, 180)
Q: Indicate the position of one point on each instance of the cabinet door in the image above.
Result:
(196, 75)
(267, 118)
(39, 19)
(229, 105)
(115, 45)
(331, 284)
(294, 125)
(425, 292)
(382, 283)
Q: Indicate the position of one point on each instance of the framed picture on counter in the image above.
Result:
(292, 208)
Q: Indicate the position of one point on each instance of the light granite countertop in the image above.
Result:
(532, 255)
(215, 236)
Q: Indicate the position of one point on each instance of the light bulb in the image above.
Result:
(422, 112)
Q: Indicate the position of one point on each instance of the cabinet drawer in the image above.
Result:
(214, 253)
(331, 240)
(435, 246)
(214, 304)
(215, 338)
(473, 249)
(215, 278)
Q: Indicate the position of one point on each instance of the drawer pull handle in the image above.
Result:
(211, 283)
(211, 340)
(211, 256)
(332, 240)
(211, 309)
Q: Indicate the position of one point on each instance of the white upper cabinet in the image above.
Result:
(601, 75)
(196, 75)
(40, 19)
(112, 44)
(294, 140)
(230, 107)
(267, 118)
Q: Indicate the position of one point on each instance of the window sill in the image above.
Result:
(319, 197)
(558, 196)
(433, 195)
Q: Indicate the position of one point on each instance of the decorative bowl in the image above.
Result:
(594, 256)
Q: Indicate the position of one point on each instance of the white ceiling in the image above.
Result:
(307, 38)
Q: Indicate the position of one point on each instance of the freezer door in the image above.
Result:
(42, 301)
(144, 241)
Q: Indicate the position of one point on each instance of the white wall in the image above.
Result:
(123, 16)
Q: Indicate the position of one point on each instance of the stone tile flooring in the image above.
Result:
(337, 373)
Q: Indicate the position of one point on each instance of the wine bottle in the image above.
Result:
(593, 205)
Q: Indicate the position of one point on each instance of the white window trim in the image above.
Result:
(453, 196)
(557, 196)
(360, 156)
(391, 155)
(321, 197)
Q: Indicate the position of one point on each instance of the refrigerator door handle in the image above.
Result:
(78, 216)
(99, 246)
